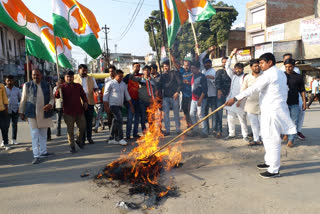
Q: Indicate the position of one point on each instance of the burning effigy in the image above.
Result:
(141, 168)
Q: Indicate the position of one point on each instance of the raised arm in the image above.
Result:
(175, 62)
(228, 63)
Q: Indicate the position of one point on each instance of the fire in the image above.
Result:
(129, 168)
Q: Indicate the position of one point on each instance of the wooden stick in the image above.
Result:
(183, 133)
(28, 70)
(57, 63)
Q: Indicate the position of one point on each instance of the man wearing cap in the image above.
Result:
(73, 109)
(210, 73)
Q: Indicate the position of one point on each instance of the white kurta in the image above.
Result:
(38, 122)
(275, 116)
(236, 83)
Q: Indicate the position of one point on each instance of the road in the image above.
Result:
(217, 177)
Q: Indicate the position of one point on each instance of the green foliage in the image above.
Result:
(211, 32)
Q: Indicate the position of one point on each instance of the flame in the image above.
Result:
(128, 167)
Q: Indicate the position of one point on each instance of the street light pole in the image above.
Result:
(162, 24)
(105, 28)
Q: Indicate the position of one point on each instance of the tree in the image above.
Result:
(211, 32)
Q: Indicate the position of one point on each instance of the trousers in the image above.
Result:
(14, 117)
(294, 114)
(80, 120)
(89, 117)
(197, 113)
(39, 141)
(219, 114)
(185, 105)
(133, 118)
(232, 124)
(99, 117)
(255, 126)
(211, 104)
(167, 103)
(116, 127)
(4, 126)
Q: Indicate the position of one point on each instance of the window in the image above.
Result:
(258, 15)
(258, 38)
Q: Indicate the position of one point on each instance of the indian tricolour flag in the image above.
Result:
(77, 23)
(176, 15)
(39, 34)
(199, 10)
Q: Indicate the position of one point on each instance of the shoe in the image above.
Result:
(202, 135)
(2, 144)
(178, 132)
(214, 133)
(269, 175)
(95, 130)
(290, 144)
(136, 136)
(49, 138)
(166, 133)
(58, 135)
(230, 137)
(246, 139)
(254, 143)
(112, 142)
(90, 141)
(123, 142)
(14, 142)
(73, 150)
(263, 166)
(128, 138)
(285, 139)
(81, 146)
(36, 161)
(7, 147)
(301, 136)
(218, 135)
(46, 155)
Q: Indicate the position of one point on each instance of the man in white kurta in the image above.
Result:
(39, 124)
(252, 103)
(275, 117)
(234, 111)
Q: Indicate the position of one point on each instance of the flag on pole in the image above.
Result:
(39, 34)
(77, 23)
(176, 15)
(199, 10)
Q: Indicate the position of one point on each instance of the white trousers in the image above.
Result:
(232, 123)
(255, 126)
(39, 141)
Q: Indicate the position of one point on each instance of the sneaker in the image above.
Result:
(36, 161)
(81, 146)
(246, 139)
(112, 142)
(269, 175)
(46, 155)
(263, 166)
(290, 144)
(90, 141)
(230, 137)
(2, 144)
(7, 147)
(73, 150)
(14, 142)
(301, 136)
(123, 142)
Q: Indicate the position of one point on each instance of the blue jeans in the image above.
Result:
(131, 116)
(219, 114)
(211, 103)
(197, 113)
(116, 127)
(294, 114)
(167, 103)
(143, 111)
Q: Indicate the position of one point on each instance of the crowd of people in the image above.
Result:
(274, 103)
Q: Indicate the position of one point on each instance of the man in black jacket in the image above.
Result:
(223, 82)
(170, 84)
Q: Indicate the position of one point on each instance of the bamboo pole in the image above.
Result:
(57, 64)
(195, 38)
(183, 133)
(28, 70)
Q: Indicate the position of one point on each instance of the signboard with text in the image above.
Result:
(275, 33)
(310, 31)
(244, 55)
(261, 49)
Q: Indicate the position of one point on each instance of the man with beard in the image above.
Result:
(237, 77)
(90, 86)
(275, 117)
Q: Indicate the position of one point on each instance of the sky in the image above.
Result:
(116, 14)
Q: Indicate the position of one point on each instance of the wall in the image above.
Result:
(236, 40)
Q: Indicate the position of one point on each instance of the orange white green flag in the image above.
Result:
(77, 23)
(176, 15)
(199, 10)
(39, 33)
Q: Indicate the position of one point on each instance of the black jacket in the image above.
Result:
(223, 81)
(170, 83)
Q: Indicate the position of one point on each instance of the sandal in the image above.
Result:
(254, 143)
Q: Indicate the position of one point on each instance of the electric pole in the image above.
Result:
(107, 56)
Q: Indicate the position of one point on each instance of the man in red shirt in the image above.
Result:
(74, 103)
(133, 89)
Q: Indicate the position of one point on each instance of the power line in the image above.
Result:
(133, 18)
(127, 2)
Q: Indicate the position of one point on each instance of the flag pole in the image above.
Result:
(28, 71)
(57, 64)
(195, 38)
